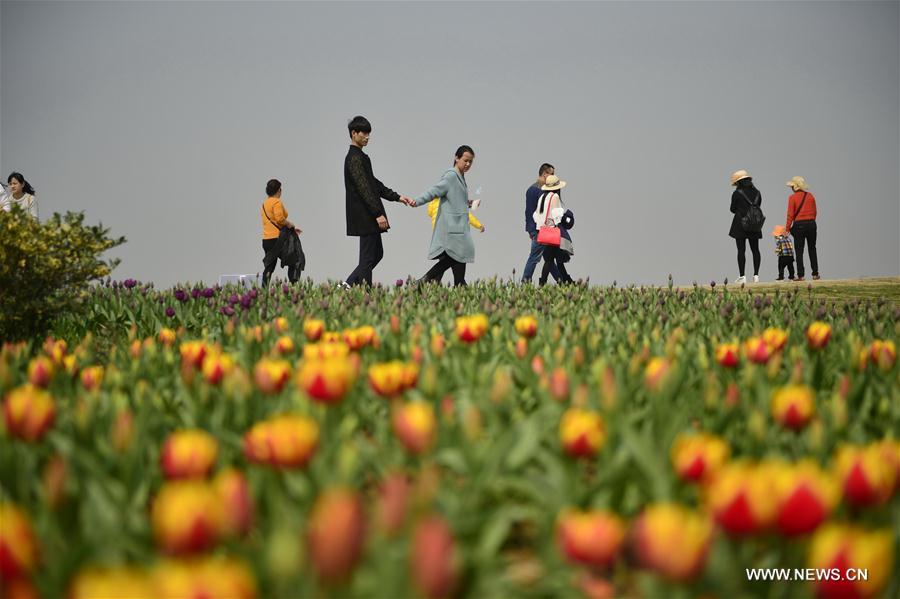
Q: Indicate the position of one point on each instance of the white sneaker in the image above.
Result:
(756, 278)
(740, 280)
(343, 285)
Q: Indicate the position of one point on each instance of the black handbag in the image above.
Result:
(754, 219)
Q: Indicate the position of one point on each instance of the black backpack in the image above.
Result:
(753, 221)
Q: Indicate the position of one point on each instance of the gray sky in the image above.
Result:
(164, 121)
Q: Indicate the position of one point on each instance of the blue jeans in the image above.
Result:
(536, 255)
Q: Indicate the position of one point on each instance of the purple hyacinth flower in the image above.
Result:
(246, 302)
(130, 283)
(195, 292)
(180, 295)
(233, 299)
(398, 283)
(253, 293)
(170, 312)
(208, 292)
(286, 289)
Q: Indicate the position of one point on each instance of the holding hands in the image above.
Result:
(408, 201)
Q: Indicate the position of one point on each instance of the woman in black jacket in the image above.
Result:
(745, 194)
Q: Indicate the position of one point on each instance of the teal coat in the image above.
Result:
(451, 230)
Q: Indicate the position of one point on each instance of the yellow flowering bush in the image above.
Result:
(44, 266)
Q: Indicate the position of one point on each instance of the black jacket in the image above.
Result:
(740, 207)
(289, 249)
(364, 193)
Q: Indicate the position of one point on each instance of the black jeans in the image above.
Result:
(742, 250)
(804, 232)
(444, 262)
(534, 257)
(785, 262)
(371, 251)
(554, 257)
(268, 244)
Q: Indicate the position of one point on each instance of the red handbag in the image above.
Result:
(548, 235)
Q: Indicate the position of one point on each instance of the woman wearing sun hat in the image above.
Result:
(745, 195)
(551, 211)
(801, 222)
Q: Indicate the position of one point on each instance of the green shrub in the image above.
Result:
(45, 267)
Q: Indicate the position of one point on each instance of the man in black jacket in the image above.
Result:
(366, 218)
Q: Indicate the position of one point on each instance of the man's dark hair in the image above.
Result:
(273, 187)
(545, 168)
(359, 123)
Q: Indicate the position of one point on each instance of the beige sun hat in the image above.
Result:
(739, 175)
(553, 183)
(797, 182)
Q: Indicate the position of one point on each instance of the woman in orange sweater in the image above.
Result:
(801, 222)
(274, 218)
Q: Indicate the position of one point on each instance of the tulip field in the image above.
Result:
(414, 440)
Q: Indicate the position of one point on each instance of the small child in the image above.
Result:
(433, 206)
(784, 249)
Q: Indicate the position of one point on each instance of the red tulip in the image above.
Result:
(336, 534)
(433, 558)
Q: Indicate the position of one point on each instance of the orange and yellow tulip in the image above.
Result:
(806, 496)
(673, 541)
(843, 547)
(866, 476)
(728, 355)
(582, 432)
(271, 376)
(284, 441)
(28, 412)
(698, 456)
(793, 406)
(527, 326)
(415, 425)
(326, 381)
(18, 544)
(189, 453)
(187, 517)
(592, 537)
(470, 329)
(818, 334)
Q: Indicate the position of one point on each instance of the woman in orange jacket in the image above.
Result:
(801, 222)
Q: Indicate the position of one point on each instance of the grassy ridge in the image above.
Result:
(841, 290)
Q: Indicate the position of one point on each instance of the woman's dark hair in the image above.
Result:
(360, 124)
(746, 183)
(463, 149)
(273, 187)
(26, 186)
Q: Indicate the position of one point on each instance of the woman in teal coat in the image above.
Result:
(451, 242)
